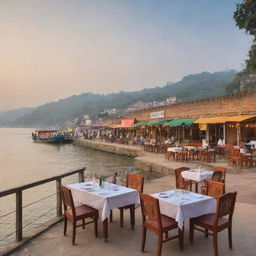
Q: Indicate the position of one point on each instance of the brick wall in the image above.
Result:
(235, 104)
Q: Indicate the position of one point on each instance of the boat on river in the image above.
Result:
(52, 136)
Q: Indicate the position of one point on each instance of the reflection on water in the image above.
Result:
(23, 161)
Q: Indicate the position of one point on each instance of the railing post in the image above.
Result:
(58, 198)
(81, 176)
(19, 215)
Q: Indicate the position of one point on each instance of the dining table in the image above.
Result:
(197, 176)
(104, 198)
(182, 205)
(175, 149)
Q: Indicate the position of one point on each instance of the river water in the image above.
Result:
(23, 161)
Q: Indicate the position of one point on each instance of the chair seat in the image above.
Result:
(167, 223)
(82, 211)
(208, 221)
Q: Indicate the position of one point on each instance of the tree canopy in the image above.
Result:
(245, 18)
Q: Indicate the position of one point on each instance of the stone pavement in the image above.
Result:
(125, 242)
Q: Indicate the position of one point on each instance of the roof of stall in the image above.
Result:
(240, 118)
(212, 120)
(180, 122)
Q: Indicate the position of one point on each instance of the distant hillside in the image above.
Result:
(191, 87)
(10, 116)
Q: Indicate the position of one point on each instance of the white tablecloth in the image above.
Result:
(197, 175)
(175, 149)
(104, 199)
(181, 206)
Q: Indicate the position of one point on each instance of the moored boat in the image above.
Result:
(51, 136)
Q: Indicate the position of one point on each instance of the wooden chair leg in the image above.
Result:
(105, 229)
(96, 227)
(166, 235)
(191, 232)
(215, 243)
(206, 232)
(159, 247)
(230, 237)
(111, 216)
(121, 217)
(83, 223)
(132, 216)
(181, 238)
(144, 233)
(65, 225)
(74, 232)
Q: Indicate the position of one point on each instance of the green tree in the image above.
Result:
(245, 17)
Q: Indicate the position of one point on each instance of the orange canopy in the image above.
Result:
(212, 120)
(240, 118)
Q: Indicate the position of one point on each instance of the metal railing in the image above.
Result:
(19, 205)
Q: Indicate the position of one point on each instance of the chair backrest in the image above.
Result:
(135, 181)
(215, 189)
(67, 199)
(225, 206)
(150, 209)
(221, 169)
(234, 152)
(180, 182)
(217, 176)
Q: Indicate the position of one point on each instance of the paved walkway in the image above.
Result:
(155, 162)
(125, 242)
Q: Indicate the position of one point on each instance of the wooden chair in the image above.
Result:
(134, 181)
(233, 156)
(182, 156)
(155, 221)
(216, 222)
(221, 169)
(216, 176)
(238, 159)
(192, 154)
(181, 183)
(75, 214)
(169, 155)
(215, 189)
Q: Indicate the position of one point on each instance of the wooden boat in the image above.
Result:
(51, 136)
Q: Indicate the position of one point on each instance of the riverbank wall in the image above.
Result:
(119, 149)
(151, 162)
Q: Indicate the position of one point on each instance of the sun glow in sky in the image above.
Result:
(51, 49)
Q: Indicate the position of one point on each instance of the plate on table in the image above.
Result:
(163, 195)
(88, 185)
(104, 194)
(89, 189)
(198, 196)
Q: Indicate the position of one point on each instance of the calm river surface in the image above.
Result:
(23, 161)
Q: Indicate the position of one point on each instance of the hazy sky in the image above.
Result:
(51, 49)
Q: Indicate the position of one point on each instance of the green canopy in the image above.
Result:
(179, 122)
(158, 122)
(139, 124)
(153, 122)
